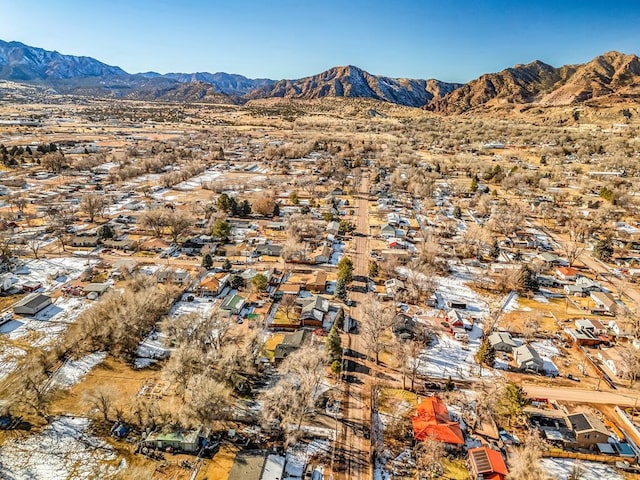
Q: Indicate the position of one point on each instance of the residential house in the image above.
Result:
(232, 304)
(178, 276)
(318, 282)
(387, 231)
(290, 343)
(212, 284)
(333, 227)
(583, 337)
(502, 342)
(314, 310)
(155, 245)
(32, 304)
(180, 440)
(527, 358)
(487, 464)
(568, 274)
(124, 244)
(592, 325)
(321, 255)
(604, 301)
(267, 249)
(612, 360)
(620, 329)
(588, 284)
(550, 258)
(84, 241)
(94, 290)
(589, 430)
(457, 320)
(393, 286)
(404, 327)
(432, 420)
(574, 290)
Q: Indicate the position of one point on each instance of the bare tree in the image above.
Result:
(93, 205)
(295, 394)
(17, 201)
(429, 454)
(524, 461)
(377, 319)
(178, 223)
(154, 220)
(631, 363)
(572, 250)
(101, 399)
(34, 245)
(208, 401)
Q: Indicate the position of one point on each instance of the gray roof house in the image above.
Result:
(32, 304)
(314, 308)
(502, 342)
(527, 358)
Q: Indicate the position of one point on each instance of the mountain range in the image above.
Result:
(611, 76)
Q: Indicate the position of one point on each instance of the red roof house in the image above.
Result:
(487, 464)
(432, 421)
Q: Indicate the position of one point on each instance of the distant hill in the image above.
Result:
(610, 78)
(350, 81)
(22, 63)
(227, 83)
(611, 74)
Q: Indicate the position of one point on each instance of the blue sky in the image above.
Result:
(452, 40)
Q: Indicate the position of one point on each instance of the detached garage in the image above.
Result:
(32, 304)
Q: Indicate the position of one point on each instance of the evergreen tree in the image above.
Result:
(603, 250)
(486, 353)
(276, 210)
(260, 282)
(333, 345)
(495, 250)
(106, 231)
(474, 184)
(511, 402)
(374, 269)
(244, 210)
(457, 212)
(341, 289)
(226, 265)
(207, 261)
(221, 229)
(345, 270)
(527, 280)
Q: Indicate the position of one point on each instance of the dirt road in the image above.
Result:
(622, 397)
(356, 447)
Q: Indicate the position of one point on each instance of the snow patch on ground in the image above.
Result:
(299, 454)
(54, 272)
(63, 450)
(9, 359)
(561, 469)
(75, 370)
